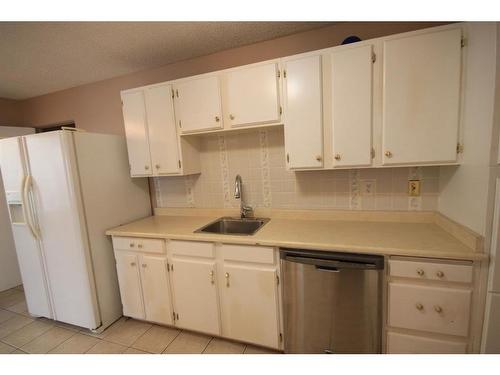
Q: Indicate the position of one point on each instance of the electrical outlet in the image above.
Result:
(368, 187)
(414, 188)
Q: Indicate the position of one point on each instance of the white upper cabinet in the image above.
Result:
(197, 104)
(134, 116)
(421, 98)
(252, 95)
(352, 76)
(303, 112)
(162, 130)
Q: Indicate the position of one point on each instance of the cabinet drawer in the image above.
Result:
(431, 270)
(192, 248)
(147, 245)
(440, 310)
(398, 343)
(245, 253)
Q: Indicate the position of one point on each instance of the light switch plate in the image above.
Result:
(414, 188)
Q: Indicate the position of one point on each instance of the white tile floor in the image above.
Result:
(22, 334)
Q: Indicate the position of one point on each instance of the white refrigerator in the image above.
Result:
(63, 190)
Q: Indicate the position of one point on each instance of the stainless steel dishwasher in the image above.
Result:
(332, 301)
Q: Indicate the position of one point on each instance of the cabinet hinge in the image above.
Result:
(180, 164)
(171, 267)
(284, 73)
(122, 103)
(279, 74)
(176, 316)
(168, 267)
(173, 93)
(176, 93)
(281, 110)
(180, 124)
(372, 153)
(281, 337)
(277, 279)
(460, 148)
(463, 42)
(287, 158)
(374, 57)
(173, 314)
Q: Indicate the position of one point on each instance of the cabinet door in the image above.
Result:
(156, 289)
(352, 106)
(250, 304)
(421, 98)
(195, 295)
(127, 267)
(197, 104)
(163, 141)
(252, 95)
(134, 117)
(303, 113)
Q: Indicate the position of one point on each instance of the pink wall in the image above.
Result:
(96, 107)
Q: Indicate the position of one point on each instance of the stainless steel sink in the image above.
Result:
(234, 226)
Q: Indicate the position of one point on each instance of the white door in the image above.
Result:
(127, 267)
(352, 75)
(27, 246)
(197, 104)
(195, 291)
(421, 98)
(156, 289)
(57, 210)
(162, 130)
(303, 113)
(252, 95)
(250, 304)
(135, 121)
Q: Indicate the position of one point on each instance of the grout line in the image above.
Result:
(170, 343)
(206, 346)
(137, 339)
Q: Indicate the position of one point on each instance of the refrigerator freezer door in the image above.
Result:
(58, 213)
(13, 168)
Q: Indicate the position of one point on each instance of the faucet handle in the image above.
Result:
(246, 211)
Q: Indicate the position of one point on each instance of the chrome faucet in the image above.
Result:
(245, 211)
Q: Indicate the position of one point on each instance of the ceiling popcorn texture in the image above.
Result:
(44, 57)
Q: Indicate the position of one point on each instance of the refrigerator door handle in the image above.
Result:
(29, 210)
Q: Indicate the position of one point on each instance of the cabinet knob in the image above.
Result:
(420, 272)
(337, 157)
(146, 167)
(217, 118)
(132, 264)
(438, 309)
(231, 116)
(139, 246)
(227, 279)
(132, 244)
(157, 166)
(440, 274)
(144, 265)
(212, 280)
(388, 154)
(419, 306)
(318, 157)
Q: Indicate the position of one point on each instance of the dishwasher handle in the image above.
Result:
(329, 264)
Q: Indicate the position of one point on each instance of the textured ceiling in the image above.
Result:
(37, 58)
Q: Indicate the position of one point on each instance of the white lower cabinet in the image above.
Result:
(429, 306)
(144, 286)
(157, 300)
(223, 290)
(130, 285)
(195, 295)
(249, 302)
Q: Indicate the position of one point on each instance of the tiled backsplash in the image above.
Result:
(258, 156)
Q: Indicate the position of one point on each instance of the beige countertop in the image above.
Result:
(422, 238)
